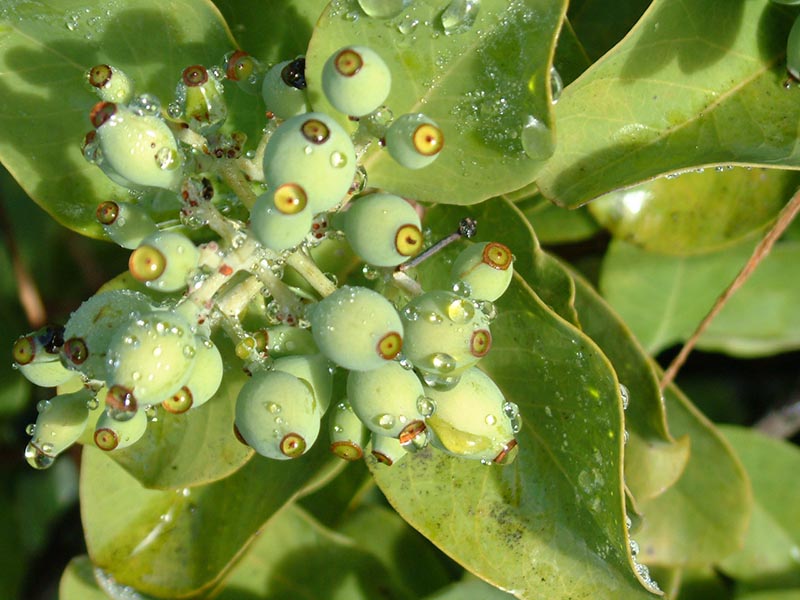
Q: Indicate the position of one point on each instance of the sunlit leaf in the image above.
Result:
(697, 212)
(470, 588)
(771, 553)
(653, 460)
(487, 87)
(703, 517)
(692, 84)
(46, 49)
(178, 542)
(559, 508)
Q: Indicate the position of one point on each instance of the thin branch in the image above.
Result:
(27, 290)
(760, 253)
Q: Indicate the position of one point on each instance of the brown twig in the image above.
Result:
(27, 290)
(760, 253)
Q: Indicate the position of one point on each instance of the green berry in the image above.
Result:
(414, 140)
(60, 423)
(113, 434)
(204, 381)
(139, 148)
(111, 84)
(356, 80)
(244, 70)
(203, 99)
(315, 370)
(471, 419)
(386, 399)
(283, 340)
(50, 373)
(314, 155)
(445, 333)
(387, 450)
(283, 99)
(277, 229)
(125, 223)
(164, 260)
(149, 359)
(347, 433)
(487, 269)
(383, 229)
(357, 328)
(277, 415)
(89, 330)
(36, 355)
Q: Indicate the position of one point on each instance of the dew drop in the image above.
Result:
(36, 458)
(407, 25)
(386, 421)
(426, 406)
(383, 9)
(490, 419)
(274, 408)
(625, 395)
(338, 160)
(461, 310)
(43, 406)
(166, 158)
(537, 139)
(439, 382)
(556, 84)
(459, 16)
(442, 362)
(30, 429)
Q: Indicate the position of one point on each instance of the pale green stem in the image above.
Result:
(236, 180)
(308, 269)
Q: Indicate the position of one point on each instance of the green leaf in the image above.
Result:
(698, 83)
(78, 582)
(195, 447)
(771, 553)
(599, 24)
(470, 588)
(272, 30)
(556, 225)
(793, 594)
(559, 509)
(46, 50)
(409, 559)
(296, 557)
(172, 543)
(663, 298)
(697, 212)
(702, 583)
(704, 516)
(653, 460)
(486, 87)
(761, 317)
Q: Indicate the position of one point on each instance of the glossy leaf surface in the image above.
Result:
(691, 84)
(697, 212)
(46, 49)
(703, 517)
(179, 542)
(486, 84)
(771, 553)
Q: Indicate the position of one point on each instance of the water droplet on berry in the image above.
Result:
(426, 406)
(386, 421)
(43, 406)
(443, 362)
(274, 408)
(30, 429)
(461, 310)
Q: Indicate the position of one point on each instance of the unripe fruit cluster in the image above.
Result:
(411, 363)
